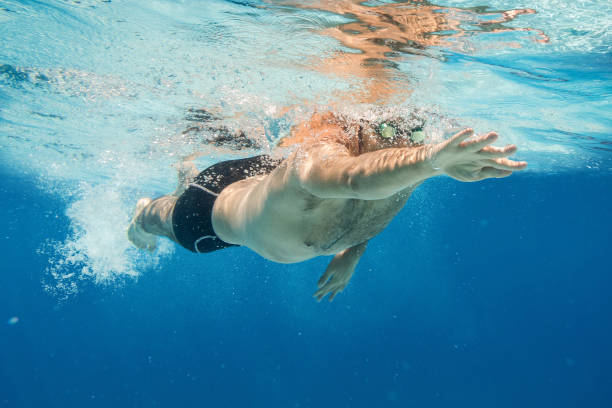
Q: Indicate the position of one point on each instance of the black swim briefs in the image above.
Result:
(191, 218)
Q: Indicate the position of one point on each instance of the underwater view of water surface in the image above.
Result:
(489, 294)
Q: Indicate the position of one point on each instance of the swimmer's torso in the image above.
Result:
(291, 225)
(333, 225)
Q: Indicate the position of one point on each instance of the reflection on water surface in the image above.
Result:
(377, 36)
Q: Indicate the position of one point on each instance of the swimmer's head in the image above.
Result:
(360, 135)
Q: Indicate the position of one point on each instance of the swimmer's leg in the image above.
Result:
(152, 218)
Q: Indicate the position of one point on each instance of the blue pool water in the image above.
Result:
(483, 294)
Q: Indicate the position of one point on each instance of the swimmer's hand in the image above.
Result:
(473, 159)
(339, 272)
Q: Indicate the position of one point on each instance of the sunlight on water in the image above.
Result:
(99, 99)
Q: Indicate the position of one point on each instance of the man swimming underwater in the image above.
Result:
(341, 187)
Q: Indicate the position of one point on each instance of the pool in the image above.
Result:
(484, 294)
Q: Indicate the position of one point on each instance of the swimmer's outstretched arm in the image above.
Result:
(328, 170)
(339, 272)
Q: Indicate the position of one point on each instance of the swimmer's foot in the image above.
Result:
(136, 234)
(187, 171)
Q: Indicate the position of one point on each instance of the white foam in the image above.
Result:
(97, 248)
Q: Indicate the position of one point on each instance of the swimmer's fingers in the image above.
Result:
(496, 152)
(324, 287)
(325, 277)
(335, 292)
(456, 139)
(479, 143)
(334, 286)
(337, 288)
(492, 172)
(322, 292)
(506, 164)
(329, 279)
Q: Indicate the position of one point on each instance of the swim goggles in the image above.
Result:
(388, 131)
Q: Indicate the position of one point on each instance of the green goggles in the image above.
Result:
(388, 131)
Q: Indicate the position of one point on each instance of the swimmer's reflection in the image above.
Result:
(383, 34)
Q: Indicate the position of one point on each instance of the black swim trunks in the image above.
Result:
(191, 218)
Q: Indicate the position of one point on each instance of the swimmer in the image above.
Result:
(339, 188)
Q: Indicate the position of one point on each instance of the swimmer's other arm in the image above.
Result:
(339, 272)
(327, 170)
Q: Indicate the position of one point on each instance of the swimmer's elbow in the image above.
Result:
(324, 181)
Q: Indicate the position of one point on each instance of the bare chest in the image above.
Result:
(334, 225)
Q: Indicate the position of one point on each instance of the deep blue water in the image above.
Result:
(492, 294)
